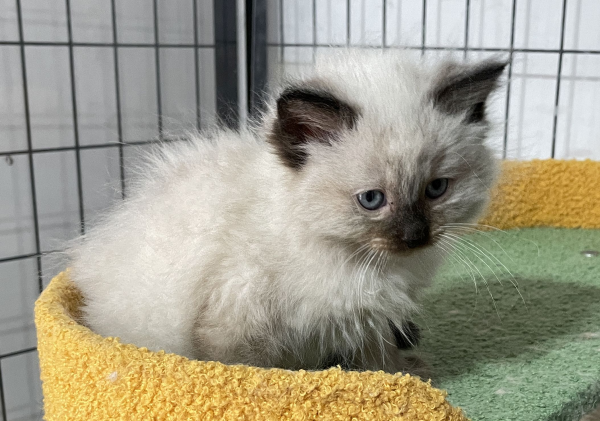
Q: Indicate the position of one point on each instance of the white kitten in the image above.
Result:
(306, 241)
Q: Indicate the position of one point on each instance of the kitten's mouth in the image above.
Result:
(405, 247)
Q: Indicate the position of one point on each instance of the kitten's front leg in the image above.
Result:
(230, 341)
(389, 352)
(406, 338)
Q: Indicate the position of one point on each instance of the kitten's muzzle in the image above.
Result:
(415, 234)
(408, 229)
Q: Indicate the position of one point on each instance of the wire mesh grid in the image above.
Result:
(12, 157)
(268, 34)
(544, 41)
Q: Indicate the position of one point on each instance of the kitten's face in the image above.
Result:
(388, 156)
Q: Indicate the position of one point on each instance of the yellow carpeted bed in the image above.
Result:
(87, 377)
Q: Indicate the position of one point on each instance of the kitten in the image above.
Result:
(305, 241)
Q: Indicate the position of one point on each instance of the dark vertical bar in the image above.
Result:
(2, 399)
(384, 24)
(225, 18)
(256, 60)
(196, 63)
(348, 22)
(118, 98)
(558, 76)
(281, 38)
(314, 28)
(467, 16)
(75, 121)
(423, 27)
(36, 221)
(509, 78)
(157, 61)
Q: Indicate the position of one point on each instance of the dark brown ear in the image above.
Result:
(463, 88)
(306, 115)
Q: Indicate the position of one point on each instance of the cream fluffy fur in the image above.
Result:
(223, 253)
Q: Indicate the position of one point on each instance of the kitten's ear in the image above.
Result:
(307, 115)
(465, 88)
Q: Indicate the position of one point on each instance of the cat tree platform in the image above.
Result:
(533, 355)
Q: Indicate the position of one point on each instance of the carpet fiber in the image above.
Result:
(546, 193)
(535, 357)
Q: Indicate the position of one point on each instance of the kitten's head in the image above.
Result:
(386, 151)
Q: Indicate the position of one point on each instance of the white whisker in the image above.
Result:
(480, 250)
(479, 231)
(454, 259)
(461, 253)
(462, 277)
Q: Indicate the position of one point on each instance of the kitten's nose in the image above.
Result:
(414, 231)
(416, 235)
(416, 242)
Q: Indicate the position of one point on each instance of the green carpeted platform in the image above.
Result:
(532, 360)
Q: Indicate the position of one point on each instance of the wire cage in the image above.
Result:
(87, 85)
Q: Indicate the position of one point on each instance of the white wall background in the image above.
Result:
(305, 24)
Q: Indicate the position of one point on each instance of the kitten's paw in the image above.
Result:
(408, 337)
(416, 366)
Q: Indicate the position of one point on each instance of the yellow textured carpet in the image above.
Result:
(87, 377)
(546, 193)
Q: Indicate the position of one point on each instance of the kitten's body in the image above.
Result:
(231, 252)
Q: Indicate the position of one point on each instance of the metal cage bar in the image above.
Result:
(467, 16)
(2, 398)
(196, 63)
(75, 119)
(558, 74)
(36, 222)
(113, 15)
(509, 78)
(424, 27)
(157, 69)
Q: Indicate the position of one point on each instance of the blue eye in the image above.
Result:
(371, 199)
(436, 188)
